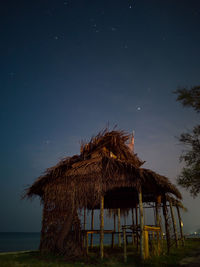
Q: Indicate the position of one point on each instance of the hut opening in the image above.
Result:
(107, 174)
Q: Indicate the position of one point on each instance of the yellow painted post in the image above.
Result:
(146, 244)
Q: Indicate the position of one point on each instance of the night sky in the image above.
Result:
(68, 68)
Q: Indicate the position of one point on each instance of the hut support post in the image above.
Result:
(87, 243)
(124, 237)
(119, 226)
(92, 228)
(132, 226)
(174, 223)
(113, 234)
(84, 227)
(101, 226)
(158, 223)
(141, 225)
(180, 225)
(136, 222)
(165, 214)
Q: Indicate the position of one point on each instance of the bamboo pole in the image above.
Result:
(132, 226)
(180, 225)
(146, 244)
(84, 227)
(136, 221)
(119, 226)
(174, 223)
(165, 214)
(87, 243)
(125, 250)
(92, 228)
(101, 226)
(141, 225)
(113, 235)
(158, 223)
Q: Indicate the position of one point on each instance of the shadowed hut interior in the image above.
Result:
(106, 175)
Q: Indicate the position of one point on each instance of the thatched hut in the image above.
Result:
(106, 174)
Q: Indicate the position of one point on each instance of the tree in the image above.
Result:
(190, 175)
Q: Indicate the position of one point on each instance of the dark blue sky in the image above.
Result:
(69, 67)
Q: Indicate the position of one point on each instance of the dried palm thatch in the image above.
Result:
(105, 166)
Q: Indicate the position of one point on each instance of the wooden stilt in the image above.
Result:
(92, 227)
(165, 214)
(132, 226)
(87, 243)
(84, 227)
(158, 223)
(174, 223)
(141, 225)
(119, 226)
(101, 226)
(136, 222)
(180, 225)
(124, 237)
(113, 235)
(146, 244)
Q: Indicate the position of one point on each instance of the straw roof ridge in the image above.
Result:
(114, 141)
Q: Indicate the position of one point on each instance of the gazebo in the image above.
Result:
(106, 175)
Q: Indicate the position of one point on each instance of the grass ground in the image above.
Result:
(183, 256)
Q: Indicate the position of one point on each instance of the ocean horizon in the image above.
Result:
(22, 241)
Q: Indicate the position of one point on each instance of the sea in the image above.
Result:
(16, 241)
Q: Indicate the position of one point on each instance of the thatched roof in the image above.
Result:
(104, 165)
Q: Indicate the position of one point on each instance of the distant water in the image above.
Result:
(19, 241)
(30, 241)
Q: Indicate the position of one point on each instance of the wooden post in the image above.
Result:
(113, 235)
(180, 225)
(101, 226)
(136, 222)
(166, 217)
(158, 223)
(146, 244)
(87, 243)
(132, 226)
(174, 223)
(141, 225)
(124, 237)
(84, 227)
(92, 227)
(119, 226)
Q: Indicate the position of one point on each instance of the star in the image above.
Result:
(113, 29)
(138, 108)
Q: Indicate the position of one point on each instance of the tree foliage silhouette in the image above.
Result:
(190, 175)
